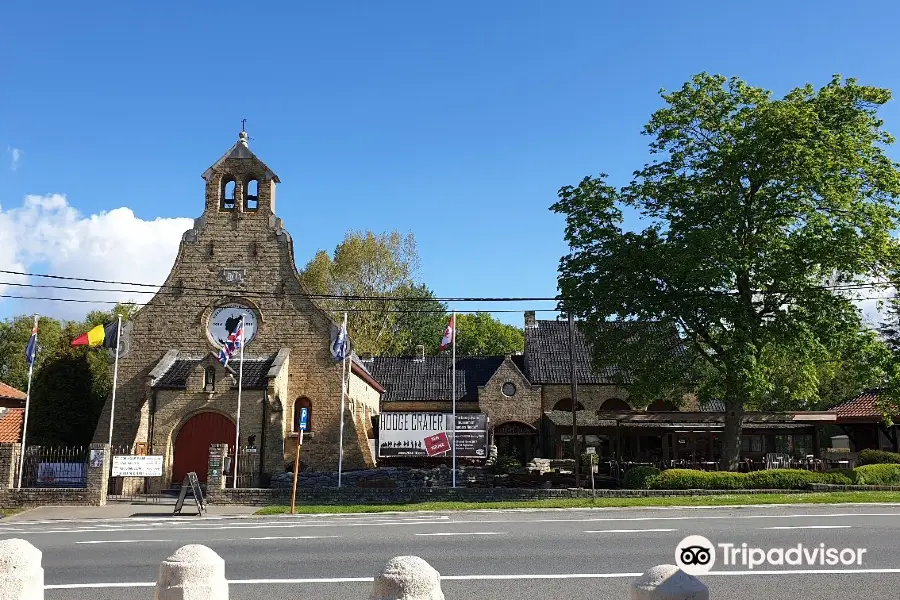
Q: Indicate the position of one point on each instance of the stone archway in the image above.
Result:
(191, 447)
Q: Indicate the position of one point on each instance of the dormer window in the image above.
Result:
(251, 198)
(228, 187)
(209, 379)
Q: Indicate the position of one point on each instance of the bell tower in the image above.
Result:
(239, 185)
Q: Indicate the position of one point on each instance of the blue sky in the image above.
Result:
(455, 121)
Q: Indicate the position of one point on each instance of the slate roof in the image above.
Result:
(407, 380)
(240, 151)
(547, 353)
(863, 405)
(8, 392)
(11, 421)
(255, 371)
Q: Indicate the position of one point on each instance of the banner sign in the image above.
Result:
(137, 466)
(409, 434)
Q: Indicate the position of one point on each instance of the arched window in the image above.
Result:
(251, 196)
(566, 405)
(228, 187)
(209, 379)
(302, 402)
(615, 404)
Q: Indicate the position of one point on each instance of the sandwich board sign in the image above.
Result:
(190, 482)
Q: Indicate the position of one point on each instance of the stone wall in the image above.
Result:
(523, 406)
(92, 494)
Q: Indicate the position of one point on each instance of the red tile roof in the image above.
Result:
(862, 405)
(11, 421)
(9, 392)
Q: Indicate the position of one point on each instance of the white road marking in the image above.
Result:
(70, 586)
(811, 527)
(119, 541)
(628, 530)
(465, 533)
(294, 537)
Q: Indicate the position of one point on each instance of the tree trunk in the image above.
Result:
(731, 444)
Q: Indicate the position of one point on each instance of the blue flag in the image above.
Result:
(31, 348)
(340, 345)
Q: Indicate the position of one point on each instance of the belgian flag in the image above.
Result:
(101, 335)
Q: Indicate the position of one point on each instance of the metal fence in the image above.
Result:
(248, 469)
(54, 467)
(132, 489)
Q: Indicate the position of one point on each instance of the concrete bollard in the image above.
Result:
(21, 573)
(407, 578)
(193, 572)
(668, 582)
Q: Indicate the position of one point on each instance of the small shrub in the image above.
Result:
(507, 465)
(877, 457)
(878, 475)
(640, 478)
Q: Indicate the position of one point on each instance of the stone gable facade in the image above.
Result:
(237, 252)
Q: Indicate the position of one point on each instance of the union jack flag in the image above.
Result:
(233, 343)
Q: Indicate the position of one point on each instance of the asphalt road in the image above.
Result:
(551, 554)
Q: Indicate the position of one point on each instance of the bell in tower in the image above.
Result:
(239, 183)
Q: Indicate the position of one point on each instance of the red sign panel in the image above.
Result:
(437, 444)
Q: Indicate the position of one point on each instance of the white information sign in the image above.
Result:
(137, 466)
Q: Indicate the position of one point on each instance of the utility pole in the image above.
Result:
(574, 384)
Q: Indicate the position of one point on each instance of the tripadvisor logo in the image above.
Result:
(696, 555)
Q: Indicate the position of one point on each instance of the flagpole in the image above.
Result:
(112, 409)
(453, 392)
(237, 430)
(343, 390)
(27, 404)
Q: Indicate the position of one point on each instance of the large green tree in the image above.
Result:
(754, 211)
(374, 277)
(69, 384)
(480, 334)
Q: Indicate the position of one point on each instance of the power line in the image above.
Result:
(282, 310)
(258, 292)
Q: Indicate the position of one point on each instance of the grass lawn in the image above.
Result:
(719, 500)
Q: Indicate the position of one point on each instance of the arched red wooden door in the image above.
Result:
(193, 442)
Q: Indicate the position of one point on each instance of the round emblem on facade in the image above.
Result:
(224, 321)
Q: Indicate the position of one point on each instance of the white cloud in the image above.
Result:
(15, 155)
(47, 235)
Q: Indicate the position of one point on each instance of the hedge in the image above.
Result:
(772, 479)
(877, 457)
(878, 475)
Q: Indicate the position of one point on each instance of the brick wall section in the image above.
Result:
(269, 497)
(590, 396)
(97, 476)
(256, 242)
(524, 405)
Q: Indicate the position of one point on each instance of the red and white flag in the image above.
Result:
(449, 334)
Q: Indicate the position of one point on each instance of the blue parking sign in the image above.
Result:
(304, 417)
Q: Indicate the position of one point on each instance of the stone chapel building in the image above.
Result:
(175, 398)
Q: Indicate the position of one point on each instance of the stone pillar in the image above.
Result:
(193, 572)
(97, 479)
(21, 573)
(9, 463)
(407, 578)
(668, 582)
(215, 473)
